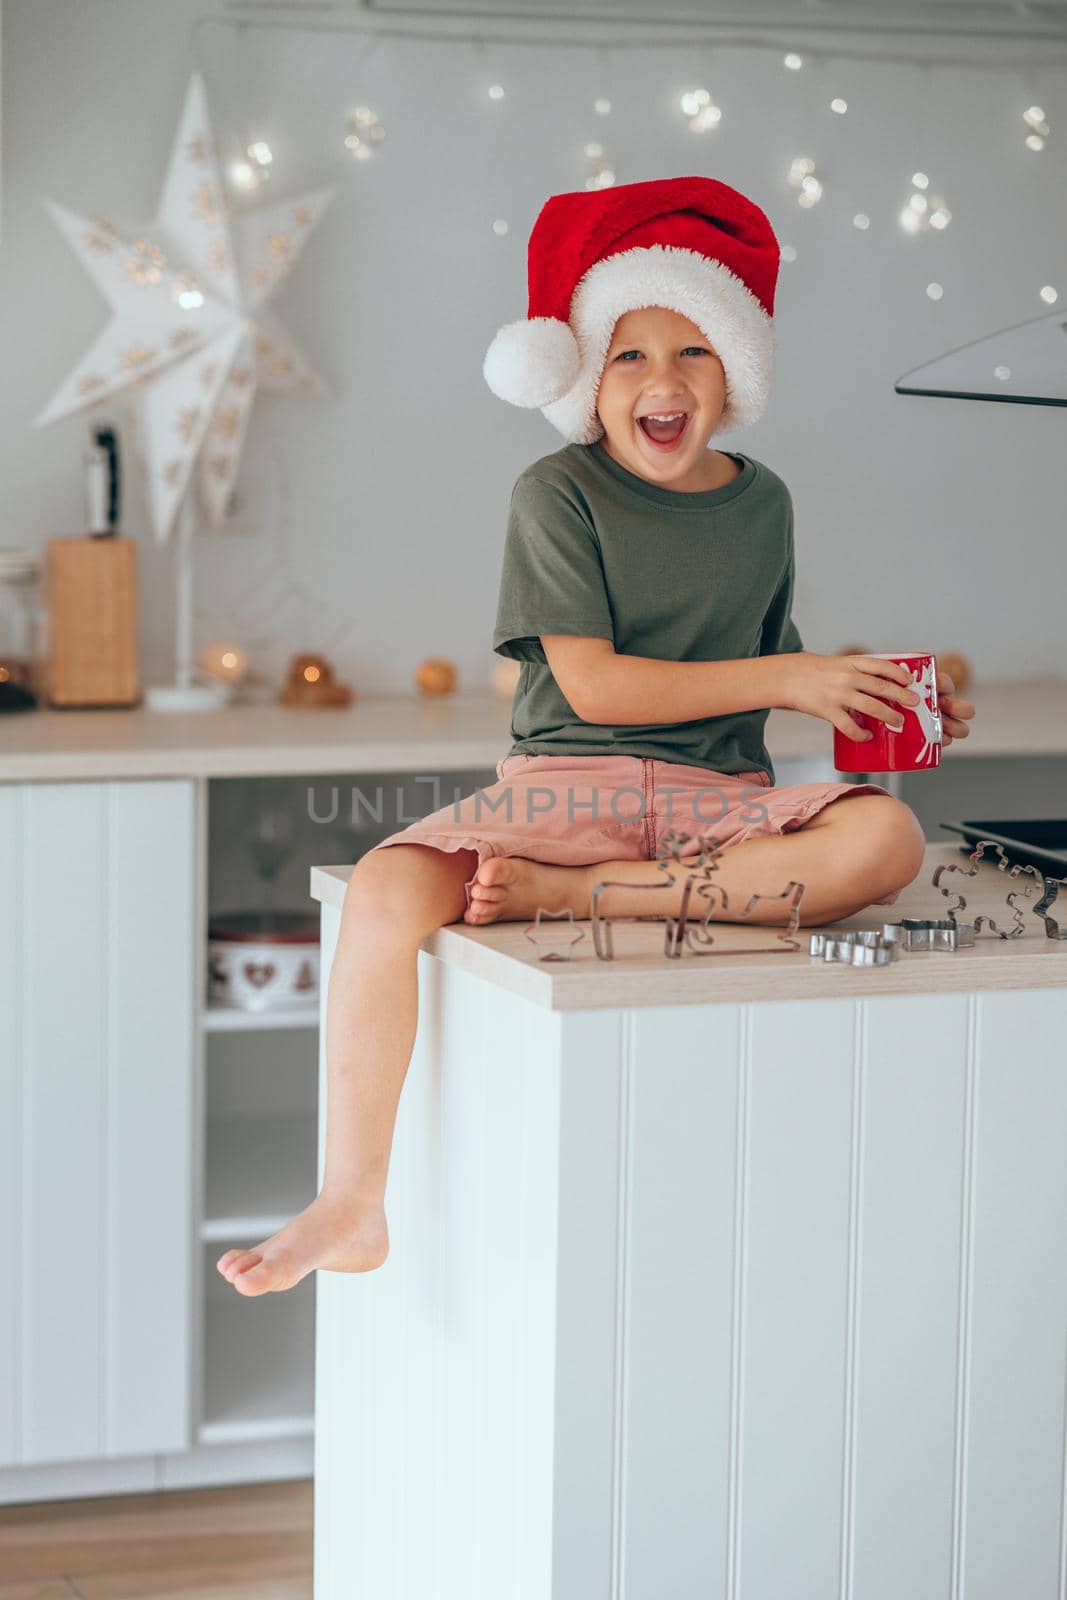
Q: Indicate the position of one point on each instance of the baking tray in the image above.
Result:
(1032, 841)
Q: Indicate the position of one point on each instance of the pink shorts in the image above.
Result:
(574, 810)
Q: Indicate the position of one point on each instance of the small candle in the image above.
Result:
(227, 662)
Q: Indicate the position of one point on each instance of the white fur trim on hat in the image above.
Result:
(532, 362)
(708, 293)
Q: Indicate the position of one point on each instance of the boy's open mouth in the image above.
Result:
(665, 431)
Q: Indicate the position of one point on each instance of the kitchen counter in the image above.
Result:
(385, 733)
(710, 1266)
(641, 975)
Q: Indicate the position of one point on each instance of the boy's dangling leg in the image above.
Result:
(395, 897)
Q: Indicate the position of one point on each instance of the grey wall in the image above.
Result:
(371, 523)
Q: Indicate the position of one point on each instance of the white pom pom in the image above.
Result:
(532, 363)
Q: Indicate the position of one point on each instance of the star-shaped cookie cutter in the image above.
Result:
(541, 915)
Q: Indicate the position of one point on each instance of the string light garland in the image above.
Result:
(923, 212)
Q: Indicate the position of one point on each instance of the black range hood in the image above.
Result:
(1025, 365)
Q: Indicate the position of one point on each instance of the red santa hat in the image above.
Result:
(694, 245)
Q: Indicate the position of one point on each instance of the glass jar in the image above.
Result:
(21, 655)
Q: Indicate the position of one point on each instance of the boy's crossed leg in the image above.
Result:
(855, 851)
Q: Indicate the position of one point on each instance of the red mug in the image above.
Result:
(917, 745)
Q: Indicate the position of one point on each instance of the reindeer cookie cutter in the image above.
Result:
(678, 935)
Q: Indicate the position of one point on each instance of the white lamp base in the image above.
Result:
(191, 697)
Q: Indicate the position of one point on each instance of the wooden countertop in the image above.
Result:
(641, 975)
(405, 733)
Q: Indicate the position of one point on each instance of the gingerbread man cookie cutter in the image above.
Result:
(1003, 865)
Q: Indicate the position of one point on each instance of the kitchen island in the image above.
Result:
(739, 1275)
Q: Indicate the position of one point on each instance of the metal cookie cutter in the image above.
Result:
(856, 947)
(540, 916)
(678, 934)
(929, 933)
(1003, 864)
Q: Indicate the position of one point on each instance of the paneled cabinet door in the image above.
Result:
(97, 1031)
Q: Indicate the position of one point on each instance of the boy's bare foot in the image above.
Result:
(341, 1236)
(510, 888)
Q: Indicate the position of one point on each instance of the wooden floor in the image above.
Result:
(241, 1542)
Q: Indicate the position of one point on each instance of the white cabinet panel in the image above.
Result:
(1015, 1304)
(97, 1041)
(711, 1301)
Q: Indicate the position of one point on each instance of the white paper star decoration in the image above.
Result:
(190, 330)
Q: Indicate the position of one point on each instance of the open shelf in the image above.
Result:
(232, 1019)
(261, 1170)
(259, 1362)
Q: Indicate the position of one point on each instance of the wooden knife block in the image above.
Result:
(92, 633)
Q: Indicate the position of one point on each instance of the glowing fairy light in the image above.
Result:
(802, 178)
(601, 172)
(924, 210)
(1037, 127)
(700, 108)
(365, 131)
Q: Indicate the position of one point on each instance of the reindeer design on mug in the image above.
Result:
(927, 711)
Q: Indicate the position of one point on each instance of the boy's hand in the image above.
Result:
(955, 713)
(832, 686)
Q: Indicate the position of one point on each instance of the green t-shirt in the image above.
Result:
(592, 549)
